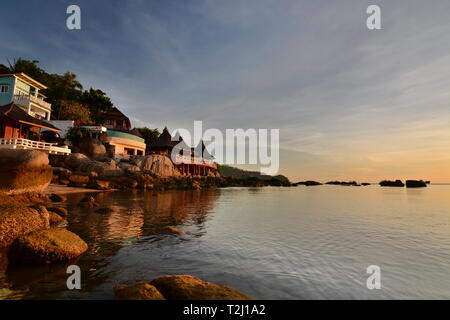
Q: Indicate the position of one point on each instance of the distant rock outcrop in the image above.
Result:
(388, 183)
(416, 184)
(307, 183)
(24, 171)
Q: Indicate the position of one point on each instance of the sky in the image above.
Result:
(350, 103)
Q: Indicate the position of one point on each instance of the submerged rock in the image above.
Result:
(416, 184)
(184, 287)
(24, 171)
(138, 291)
(47, 246)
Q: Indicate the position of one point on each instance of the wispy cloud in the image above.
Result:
(348, 101)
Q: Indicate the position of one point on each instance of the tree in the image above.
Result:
(97, 101)
(76, 134)
(71, 110)
(62, 89)
(150, 135)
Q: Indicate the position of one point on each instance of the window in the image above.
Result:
(4, 88)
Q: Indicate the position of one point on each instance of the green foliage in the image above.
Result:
(71, 110)
(97, 101)
(62, 88)
(150, 135)
(76, 134)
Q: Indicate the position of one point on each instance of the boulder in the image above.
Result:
(75, 160)
(62, 212)
(78, 180)
(99, 184)
(47, 246)
(138, 291)
(24, 171)
(57, 198)
(396, 183)
(62, 173)
(3, 259)
(184, 287)
(158, 165)
(54, 218)
(92, 147)
(416, 184)
(18, 220)
(128, 167)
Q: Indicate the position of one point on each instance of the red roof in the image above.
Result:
(16, 113)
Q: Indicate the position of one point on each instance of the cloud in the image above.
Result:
(345, 99)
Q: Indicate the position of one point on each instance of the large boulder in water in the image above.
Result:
(416, 184)
(184, 287)
(17, 219)
(24, 171)
(47, 246)
(138, 291)
(156, 164)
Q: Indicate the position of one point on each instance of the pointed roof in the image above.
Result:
(164, 140)
(116, 114)
(16, 113)
(201, 151)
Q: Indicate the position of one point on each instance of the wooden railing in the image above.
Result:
(18, 143)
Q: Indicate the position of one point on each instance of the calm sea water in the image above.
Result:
(270, 243)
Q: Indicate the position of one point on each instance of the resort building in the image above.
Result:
(24, 92)
(19, 130)
(120, 139)
(188, 160)
(24, 115)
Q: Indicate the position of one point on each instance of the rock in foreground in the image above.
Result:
(24, 171)
(47, 246)
(16, 221)
(184, 287)
(138, 291)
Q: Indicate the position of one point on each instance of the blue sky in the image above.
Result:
(350, 103)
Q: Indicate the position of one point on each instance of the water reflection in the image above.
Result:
(137, 217)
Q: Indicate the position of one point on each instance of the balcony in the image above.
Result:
(28, 99)
(17, 143)
(181, 159)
